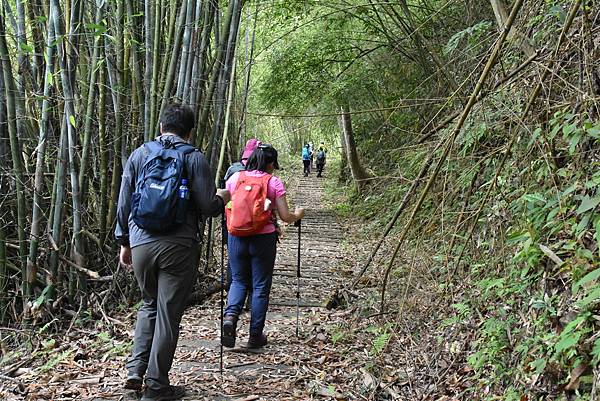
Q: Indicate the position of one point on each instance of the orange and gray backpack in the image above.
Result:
(248, 211)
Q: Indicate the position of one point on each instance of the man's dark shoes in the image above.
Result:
(164, 394)
(228, 335)
(257, 341)
(134, 383)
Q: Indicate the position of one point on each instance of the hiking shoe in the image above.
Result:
(257, 341)
(134, 383)
(228, 334)
(165, 394)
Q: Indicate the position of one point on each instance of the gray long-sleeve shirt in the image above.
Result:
(202, 193)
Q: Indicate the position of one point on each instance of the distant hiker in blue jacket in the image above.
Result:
(306, 157)
(164, 261)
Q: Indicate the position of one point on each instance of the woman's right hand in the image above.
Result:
(299, 213)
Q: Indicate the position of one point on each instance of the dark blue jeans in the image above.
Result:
(252, 261)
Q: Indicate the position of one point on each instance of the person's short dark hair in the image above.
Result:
(177, 119)
(262, 157)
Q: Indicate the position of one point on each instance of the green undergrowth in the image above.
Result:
(534, 287)
(527, 288)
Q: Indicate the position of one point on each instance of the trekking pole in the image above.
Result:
(298, 224)
(223, 239)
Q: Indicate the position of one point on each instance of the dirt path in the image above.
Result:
(279, 371)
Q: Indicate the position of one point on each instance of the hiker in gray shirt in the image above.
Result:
(164, 263)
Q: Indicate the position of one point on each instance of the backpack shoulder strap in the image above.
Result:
(152, 146)
(148, 148)
(266, 178)
(241, 179)
(185, 148)
(264, 182)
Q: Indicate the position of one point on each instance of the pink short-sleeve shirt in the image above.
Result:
(275, 189)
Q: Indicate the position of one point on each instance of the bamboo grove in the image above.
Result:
(82, 84)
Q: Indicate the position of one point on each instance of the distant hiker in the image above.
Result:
(251, 144)
(311, 148)
(306, 159)
(321, 159)
(166, 188)
(252, 244)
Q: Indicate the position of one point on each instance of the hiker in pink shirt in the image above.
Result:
(252, 256)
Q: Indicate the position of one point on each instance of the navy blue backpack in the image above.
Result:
(154, 204)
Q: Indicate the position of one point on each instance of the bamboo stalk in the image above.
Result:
(226, 129)
(115, 76)
(77, 245)
(38, 191)
(186, 49)
(198, 69)
(155, 65)
(168, 44)
(248, 67)
(103, 151)
(173, 61)
(137, 78)
(15, 146)
(3, 274)
(57, 208)
(193, 58)
(89, 109)
(225, 81)
(148, 12)
(199, 136)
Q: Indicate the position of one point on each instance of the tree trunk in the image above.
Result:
(158, 10)
(248, 61)
(226, 128)
(344, 156)
(359, 174)
(198, 70)
(501, 16)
